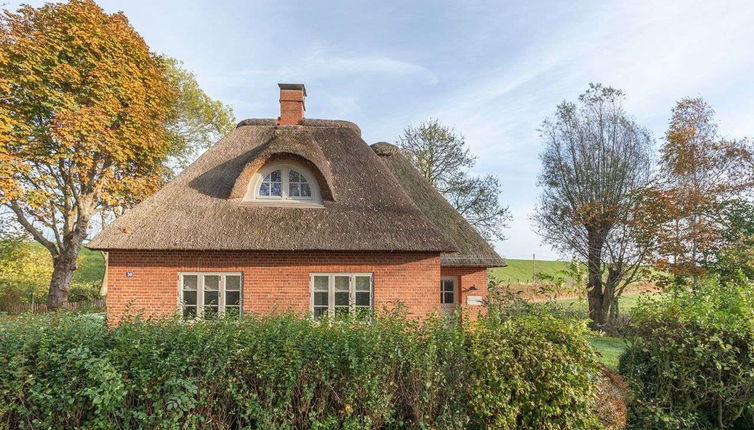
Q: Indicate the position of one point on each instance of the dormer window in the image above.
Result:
(284, 184)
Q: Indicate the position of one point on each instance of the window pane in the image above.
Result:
(189, 282)
(264, 189)
(447, 285)
(274, 176)
(320, 298)
(232, 283)
(232, 298)
(363, 283)
(449, 298)
(305, 190)
(189, 312)
(341, 311)
(342, 283)
(293, 176)
(320, 311)
(294, 190)
(211, 298)
(189, 297)
(362, 299)
(275, 189)
(211, 282)
(320, 283)
(341, 298)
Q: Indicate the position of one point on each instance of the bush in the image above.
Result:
(67, 371)
(692, 362)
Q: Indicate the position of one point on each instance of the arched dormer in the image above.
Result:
(284, 183)
(282, 179)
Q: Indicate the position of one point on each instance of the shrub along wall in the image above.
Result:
(62, 371)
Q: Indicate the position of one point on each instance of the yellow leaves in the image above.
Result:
(83, 99)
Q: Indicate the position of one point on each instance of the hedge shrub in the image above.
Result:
(692, 363)
(283, 372)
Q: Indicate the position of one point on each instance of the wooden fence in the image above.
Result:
(17, 308)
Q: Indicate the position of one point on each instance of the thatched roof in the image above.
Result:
(365, 208)
(473, 250)
(373, 200)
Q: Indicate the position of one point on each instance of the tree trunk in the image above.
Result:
(64, 264)
(595, 293)
(62, 273)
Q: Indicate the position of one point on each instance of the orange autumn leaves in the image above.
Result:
(699, 173)
(83, 108)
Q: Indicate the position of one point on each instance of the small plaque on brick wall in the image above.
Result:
(474, 300)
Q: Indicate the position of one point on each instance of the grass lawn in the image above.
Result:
(610, 349)
(519, 271)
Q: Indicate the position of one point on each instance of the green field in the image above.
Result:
(91, 266)
(522, 271)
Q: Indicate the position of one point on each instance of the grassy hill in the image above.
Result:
(91, 266)
(523, 270)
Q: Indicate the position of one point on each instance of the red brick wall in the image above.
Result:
(272, 281)
(469, 277)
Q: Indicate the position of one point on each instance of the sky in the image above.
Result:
(491, 70)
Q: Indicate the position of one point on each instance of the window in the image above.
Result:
(341, 294)
(284, 185)
(209, 294)
(447, 291)
(272, 185)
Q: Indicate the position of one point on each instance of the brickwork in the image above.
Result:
(274, 281)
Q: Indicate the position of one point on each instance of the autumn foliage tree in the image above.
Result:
(700, 175)
(83, 116)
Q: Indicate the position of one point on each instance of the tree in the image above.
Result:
(194, 123)
(196, 120)
(595, 164)
(699, 174)
(733, 256)
(443, 159)
(83, 115)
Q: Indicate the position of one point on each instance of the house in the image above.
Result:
(294, 214)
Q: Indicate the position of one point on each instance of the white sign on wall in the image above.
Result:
(474, 300)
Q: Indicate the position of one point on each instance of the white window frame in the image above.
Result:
(443, 290)
(253, 196)
(221, 306)
(351, 292)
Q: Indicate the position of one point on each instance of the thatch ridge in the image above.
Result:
(307, 122)
(368, 210)
(473, 249)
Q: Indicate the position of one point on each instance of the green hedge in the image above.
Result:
(284, 372)
(692, 363)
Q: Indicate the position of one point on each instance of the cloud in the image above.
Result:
(320, 64)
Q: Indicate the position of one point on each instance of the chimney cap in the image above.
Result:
(293, 87)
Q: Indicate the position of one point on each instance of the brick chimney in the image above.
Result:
(291, 104)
